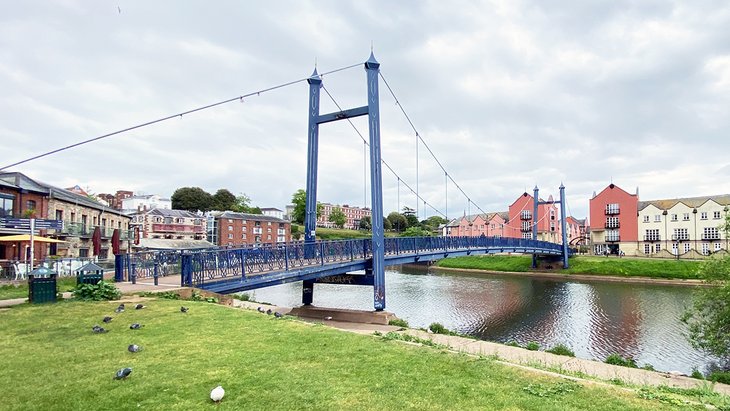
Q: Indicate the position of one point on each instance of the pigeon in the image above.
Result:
(327, 318)
(134, 348)
(135, 326)
(217, 394)
(260, 309)
(120, 308)
(123, 373)
(268, 312)
(278, 314)
(98, 330)
(107, 319)
(139, 307)
(184, 309)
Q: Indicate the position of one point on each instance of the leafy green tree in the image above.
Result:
(725, 228)
(415, 232)
(432, 223)
(365, 223)
(299, 199)
(411, 218)
(224, 200)
(709, 316)
(338, 217)
(386, 224)
(191, 199)
(397, 221)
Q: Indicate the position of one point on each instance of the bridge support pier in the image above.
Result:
(307, 292)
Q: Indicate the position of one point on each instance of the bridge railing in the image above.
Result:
(150, 264)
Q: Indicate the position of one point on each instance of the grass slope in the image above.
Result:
(52, 360)
(627, 267)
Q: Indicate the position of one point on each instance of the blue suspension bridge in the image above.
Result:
(233, 270)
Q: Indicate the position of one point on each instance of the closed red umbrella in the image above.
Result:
(96, 240)
(115, 242)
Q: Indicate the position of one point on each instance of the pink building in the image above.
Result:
(521, 220)
(613, 219)
(489, 225)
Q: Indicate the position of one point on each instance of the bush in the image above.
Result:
(720, 376)
(513, 344)
(102, 290)
(697, 374)
(532, 346)
(561, 349)
(437, 328)
(617, 359)
(398, 322)
(648, 367)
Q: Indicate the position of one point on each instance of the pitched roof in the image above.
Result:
(692, 202)
(166, 212)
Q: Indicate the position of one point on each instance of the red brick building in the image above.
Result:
(241, 229)
(613, 220)
(521, 219)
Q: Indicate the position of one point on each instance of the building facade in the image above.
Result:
(273, 212)
(353, 215)
(162, 223)
(488, 224)
(521, 219)
(146, 202)
(231, 229)
(613, 221)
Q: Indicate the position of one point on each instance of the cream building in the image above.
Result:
(682, 227)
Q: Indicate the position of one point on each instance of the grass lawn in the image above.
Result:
(627, 267)
(52, 360)
(343, 234)
(20, 290)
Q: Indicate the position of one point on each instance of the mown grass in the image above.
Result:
(52, 360)
(625, 267)
(342, 234)
(20, 290)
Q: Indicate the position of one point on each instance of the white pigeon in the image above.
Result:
(217, 394)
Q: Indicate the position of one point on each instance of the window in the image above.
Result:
(718, 247)
(657, 218)
(711, 233)
(230, 236)
(30, 205)
(525, 226)
(59, 214)
(243, 236)
(552, 226)
(6, 205)
(526, 236)
(612, 209)
(646, 248)
(674, 249)
(230, 221)
(685, 217)
(73, 217)
(269, 223)
(680, 234)
(646, 218)
(197, 221)
(716, 215)
(268, 230)
(703, 215)
(612, 222)
(230, 228)
(658, 247)
(674, 217)
(525, 214)
(652, 235)
(687, 247)
(83, 252)
(612, 235)
(268, 237)
(705, 248)
(180, 220)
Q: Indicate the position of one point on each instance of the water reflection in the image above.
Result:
(593, 319)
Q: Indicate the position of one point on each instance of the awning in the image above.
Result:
(26, 237)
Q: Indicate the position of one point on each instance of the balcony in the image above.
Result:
(612, 211)
(612, 224)
(680, 237)
(76, 229)
(257, 230)
(526, 229)
(525, 216)
(177, 228)
(652, 238)
(613, 239)
(711, 236)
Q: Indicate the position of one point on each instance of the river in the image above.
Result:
(594, 319)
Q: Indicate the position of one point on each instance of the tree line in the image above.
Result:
(196, 199)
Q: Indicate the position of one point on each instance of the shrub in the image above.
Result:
(513, 343)
(437, 328)
(398, 322)
(720, 376)
(244, 297)
(561, 349)
(102, 290)
(697, 374)
(648, 367)
(532, 346)
(617, 359)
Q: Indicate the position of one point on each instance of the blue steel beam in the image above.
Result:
(310, 215)
(376, 184)
(341, 115)
(535, 201)
(562, 225)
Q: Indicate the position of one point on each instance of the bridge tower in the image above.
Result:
(372, 110)
(563, 216)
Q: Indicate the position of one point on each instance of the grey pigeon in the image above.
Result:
(278, 314)
(268, 312)
(123, 373)
(139, 307)
(134, 348)
(261, 310)
(135, 326)
(120, 308)
(98, 330)
(184, 309)
(107, 319)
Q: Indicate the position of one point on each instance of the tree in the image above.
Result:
(224, 200)
(299, 199)
(386, 224)
(709, 316)
(415, 232)
(432, 223)
(411, 218)
(338, 217)
(191, 199)
(365, 223)
(397, 221)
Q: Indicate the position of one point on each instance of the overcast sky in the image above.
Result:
(508, 95)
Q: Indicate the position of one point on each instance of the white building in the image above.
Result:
(273, 212)
(146, 202)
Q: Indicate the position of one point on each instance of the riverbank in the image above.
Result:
(586, 268)
(264, 362)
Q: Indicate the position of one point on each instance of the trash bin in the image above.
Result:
(89, 274)
(41, 286)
